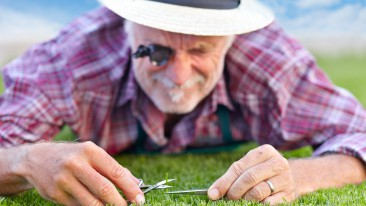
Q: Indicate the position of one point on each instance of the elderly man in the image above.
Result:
(167, 76)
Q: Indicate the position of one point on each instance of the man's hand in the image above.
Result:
(246, 178)
(78, 174)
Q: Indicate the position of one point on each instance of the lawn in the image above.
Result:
(348, 72)
(199, 170)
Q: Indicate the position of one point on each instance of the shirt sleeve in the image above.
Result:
(288, 101)
(321, 114)
(36, 86)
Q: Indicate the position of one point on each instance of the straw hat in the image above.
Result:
(197, 17)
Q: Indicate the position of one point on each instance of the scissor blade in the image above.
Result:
(164, 182)
(157, 185)
(160, 187)
(189, 192)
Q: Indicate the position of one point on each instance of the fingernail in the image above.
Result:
(214, 194)
(140, 200)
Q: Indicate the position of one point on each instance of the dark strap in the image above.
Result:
(204, 4)
(229, 143)
(141, 139)
(224, 121)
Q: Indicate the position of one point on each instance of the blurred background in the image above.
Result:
(334, 30)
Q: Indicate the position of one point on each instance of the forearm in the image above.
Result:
(334, 170)
(11, 181)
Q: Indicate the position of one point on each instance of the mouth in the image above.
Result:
(197, 79)
(177, 92)
(176, 95)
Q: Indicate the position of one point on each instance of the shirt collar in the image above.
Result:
(219, 95)
(128, 86)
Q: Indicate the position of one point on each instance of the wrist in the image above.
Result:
(329, 171)
(12, 171)
(17, 160)
(302, 179)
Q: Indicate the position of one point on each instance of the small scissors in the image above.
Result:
(159, 185)
(189, 192)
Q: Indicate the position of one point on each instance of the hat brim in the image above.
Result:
(248, 17)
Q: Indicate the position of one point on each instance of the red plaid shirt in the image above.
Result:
(274, 90)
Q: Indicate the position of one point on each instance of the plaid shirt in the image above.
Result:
(274, 91)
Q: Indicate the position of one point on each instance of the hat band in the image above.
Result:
(204, 4)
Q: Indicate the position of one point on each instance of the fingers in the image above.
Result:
(122, 177)
(68, 201)
(100, 186)
(84, 175)
(81, 194)
(61, 198)
(220, 187)
(99, 173)
(279, 198)
(255, 175)
(258, 192)
(246, 178)
(262, 190)
(137, 181)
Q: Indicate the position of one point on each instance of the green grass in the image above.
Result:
(1, 85)
(191, 171)
(348, 72)
(200, 170)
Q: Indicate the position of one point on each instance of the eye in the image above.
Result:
(160, 55)
(198, 51)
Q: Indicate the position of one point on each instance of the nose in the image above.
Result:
(179, 70)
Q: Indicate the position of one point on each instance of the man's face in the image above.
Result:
(190, 74)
